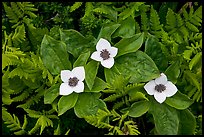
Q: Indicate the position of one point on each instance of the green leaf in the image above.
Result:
(187, 122)
(138, 65)
(75, 42)
(137, 109)
(126, 29)
(91, 70)
(173, 71)
(51, 94)
(54, 55)
(82, 59)
(67, 102)
(197, 58)
(165, 118)
(128, 45)
(88, 104)
(179, 101)
(153, 49)
(107, 31)
(110, 74)
(98, 86)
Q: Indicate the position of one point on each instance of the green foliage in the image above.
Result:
(123, 127)
(13, 122)
(151, 38)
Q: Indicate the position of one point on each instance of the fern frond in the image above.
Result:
(131, 128)
(24, 95)
(19, 35)
(41, 123)
(35, 98)
(13, 122)
(88, 10)
(10, 14)
(113, 97)
(154, 21)
(75, 6)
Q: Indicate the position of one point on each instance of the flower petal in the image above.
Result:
(149, 87)
(113, 51)
(79, 87)
(160, 97)
(102, 44)
(171, 89)
(96, 56)
(108, 63)
(79, 72)
(161, 80)
(65, 89)
(65, 75)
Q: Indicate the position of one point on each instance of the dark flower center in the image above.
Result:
(160, 88)
(73, 81)
(105, 54)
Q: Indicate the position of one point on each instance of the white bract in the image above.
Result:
(104, 53)
(161, 88)
(72, 81)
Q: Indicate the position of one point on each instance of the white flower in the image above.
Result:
(161, 88)
(72, 81)
(104, 53)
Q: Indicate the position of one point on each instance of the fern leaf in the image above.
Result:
(12, 122)
(13, 18)
(154, 20)
(75, 6)
(113, 97)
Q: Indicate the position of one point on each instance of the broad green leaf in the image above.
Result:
(126, 29)
(54, 55)
(88, 104)
(165, 118)
(82, 59)
(173, 71)
(138, 65)
(197, 58)
(91, 70)
(153, 49)
(128, 45)
(107, 31)
(51, 94)
(67, 102)
(137, 109)
(179, 101)
(110, 74)
(76, 43)
(98, 86)
(187, 122)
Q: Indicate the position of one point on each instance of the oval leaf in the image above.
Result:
(54, 55)
(153, 49)
(98, 86)
(67, 102)
(76, 43)
(88, 104)
(91, 70)
(128, 45)
(137, 109)
(82, 59)
(179, 101)
(51, 94)
(187, 122)
(173, 71)
(165, 118)
(107, 31)
(138, 65)
(126, 29)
